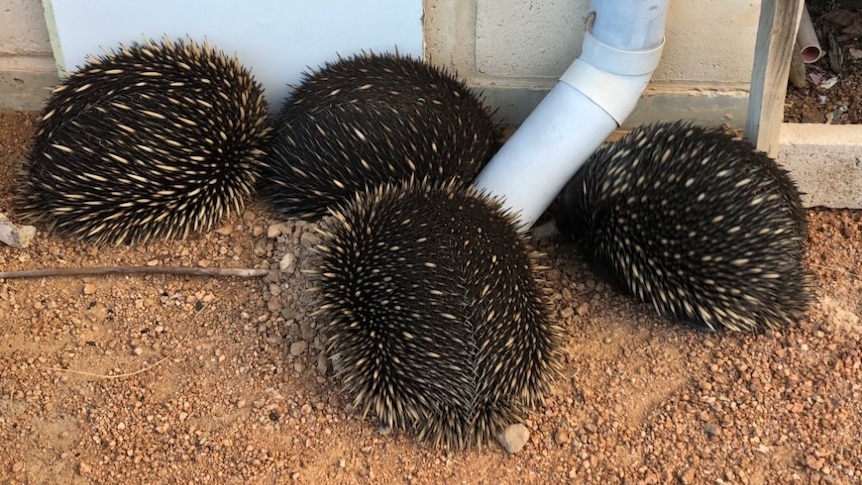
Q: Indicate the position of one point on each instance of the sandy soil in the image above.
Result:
(167, 379)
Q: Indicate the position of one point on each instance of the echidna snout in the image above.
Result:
(695, 222)
(434, 314)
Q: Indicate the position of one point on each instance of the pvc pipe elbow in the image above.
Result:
(612, 78)
(593, 97)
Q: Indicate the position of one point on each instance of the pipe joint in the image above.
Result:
(618, 61)
(594, 96)
(604, 73)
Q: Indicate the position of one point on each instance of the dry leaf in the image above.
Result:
(842, 18)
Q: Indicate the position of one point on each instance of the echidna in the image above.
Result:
(371, 119)
(696, 222)
(435, 315)
(149, 140)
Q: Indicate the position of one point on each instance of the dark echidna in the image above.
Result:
(371, 119)
(150, 140)
(436, 320)
(695, 222)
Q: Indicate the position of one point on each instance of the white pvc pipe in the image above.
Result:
(593, 97)
(806, 39)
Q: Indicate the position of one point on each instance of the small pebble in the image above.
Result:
(687, 476)
(272, 276)
(814, 462)
(89, 289)
(14, 235)
(297, 348)
(259, 248)
(275, 230)
(710, 429)
(274, 304)
(287, 263)
(309, 239)
(307, 331)
(562, 437)
(224, 230)
(322, 364)
(514, 437)
(582, 309)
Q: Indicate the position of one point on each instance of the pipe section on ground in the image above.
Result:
(806, 39)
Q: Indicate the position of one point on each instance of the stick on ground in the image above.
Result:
(106, 376)
(170, 270)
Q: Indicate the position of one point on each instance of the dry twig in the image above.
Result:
(169, 270)
(103, 376)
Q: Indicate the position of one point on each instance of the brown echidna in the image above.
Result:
(150, 140)
(372, 119)
(436, 320)
(698, 223)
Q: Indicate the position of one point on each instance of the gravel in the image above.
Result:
(168, 379)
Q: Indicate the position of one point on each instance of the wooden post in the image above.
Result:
(776, 39)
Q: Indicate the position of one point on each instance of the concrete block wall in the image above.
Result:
(513, 50)
(27, 67)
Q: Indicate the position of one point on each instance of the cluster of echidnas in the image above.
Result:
(695, 222)
(436, 319)
(372, 119)
(150, 140)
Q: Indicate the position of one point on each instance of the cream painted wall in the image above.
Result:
(513, 50)
(276, 39)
